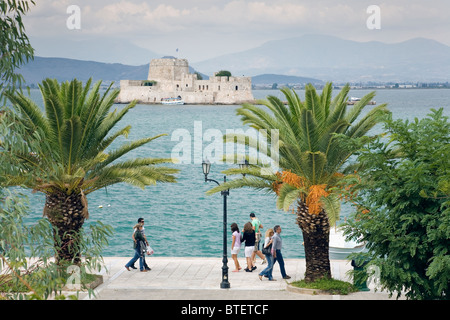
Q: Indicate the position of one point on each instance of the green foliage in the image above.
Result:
(67, 147)
(199, 76)
(404, 186)
(15, 48)
(27, 267)
(148, 83)
(223, 73)
(309, 144)
(327, 284)
(304, 137)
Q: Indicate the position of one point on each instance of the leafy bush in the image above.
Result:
(223, 73)
(404, 206)
(27, 267)
(148, 83)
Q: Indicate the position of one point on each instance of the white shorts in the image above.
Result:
(248, 251)
(235, 250)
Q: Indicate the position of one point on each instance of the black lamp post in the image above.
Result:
(243, 165)
(206, 166)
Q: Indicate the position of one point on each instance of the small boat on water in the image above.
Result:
(339, 248)
(176, 100)
(354, 100)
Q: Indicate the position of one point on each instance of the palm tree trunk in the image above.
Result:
(67, 214)
(316, 234)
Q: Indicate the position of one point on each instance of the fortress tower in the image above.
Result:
(167, 69)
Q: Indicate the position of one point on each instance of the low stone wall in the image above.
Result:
(151, 95)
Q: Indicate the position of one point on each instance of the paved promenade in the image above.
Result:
(173, 278)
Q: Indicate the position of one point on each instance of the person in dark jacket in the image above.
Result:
(249, 238)
(141, 221)
(139, 249)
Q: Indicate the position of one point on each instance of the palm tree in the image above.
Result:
(313, 152)
(69, 154)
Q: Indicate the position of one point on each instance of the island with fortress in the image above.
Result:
(170, 78)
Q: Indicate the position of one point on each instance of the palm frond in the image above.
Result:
(105, 143)
(358, 107)
(253, 183)
(287, 196)
(294, 103)
(332, 206)
(31, 115)
(309, 138)
(124, 149)
(53, 108)
(138, 176)
(66, 145)
(325, 98)
(263, 172)
(70, 136)
(308, 142)
(373, 117)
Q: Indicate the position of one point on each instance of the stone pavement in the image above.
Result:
(192, 278)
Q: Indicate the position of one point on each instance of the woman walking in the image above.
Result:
(235, 245)
(139, 247)
(267, 251)
(249, 238)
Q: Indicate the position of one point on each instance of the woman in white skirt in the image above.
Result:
(235, 245)
(249, 238)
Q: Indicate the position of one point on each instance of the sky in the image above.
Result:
(203, 29)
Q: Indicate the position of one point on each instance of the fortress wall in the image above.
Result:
(151, 96)
(143, 95)
(173, 80)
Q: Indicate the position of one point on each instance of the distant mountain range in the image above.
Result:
(333, 59)
(64, 69)
(90, 48)
(310, 58)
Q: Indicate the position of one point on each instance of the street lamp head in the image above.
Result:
(243, 165)
(206, 166)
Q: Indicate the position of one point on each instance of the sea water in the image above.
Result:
(180, 219)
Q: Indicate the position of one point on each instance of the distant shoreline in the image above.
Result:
(297, 87)
(368, 87)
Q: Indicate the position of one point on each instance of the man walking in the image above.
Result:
(257, 226)
(276, 248)
(141, 222)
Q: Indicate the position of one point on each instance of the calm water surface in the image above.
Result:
(180, 219)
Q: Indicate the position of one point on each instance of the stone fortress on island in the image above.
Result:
(170, 78)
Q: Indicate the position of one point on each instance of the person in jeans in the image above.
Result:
(139, 249)
(257, 226)
(267, 272)
(276, 249)
(141, 221)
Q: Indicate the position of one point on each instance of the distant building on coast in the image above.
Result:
(170, 77)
